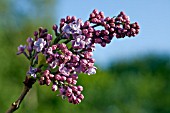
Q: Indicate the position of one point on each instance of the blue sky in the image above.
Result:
(153, 17)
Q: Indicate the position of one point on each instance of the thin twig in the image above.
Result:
(28, 85)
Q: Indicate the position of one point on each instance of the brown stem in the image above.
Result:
(28, 85)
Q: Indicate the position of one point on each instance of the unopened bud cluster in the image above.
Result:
(59, 60)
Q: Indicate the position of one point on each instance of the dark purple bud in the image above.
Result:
(57, 77)
(107, 19)
(29, 48)
(74, 88)
(95, 11)
(54, 47)
(74, 76)
(68, 18)
(48, 81)
(103, 44)
(92, 15)
(78, 92)
(35, 33)
(77, 101)
(55, 27)
(112, 25)
(62, 20)
(29, 40)
(98, 16)
(69, 80)
(86, 24)
(90, 30)
(85, 31)
(101, 14)
(54, 87)
(107, 26)
(80, 88)
(81, 96)
(98, 40)
(51, 76)
(111, 29)
(94, 20)
(46, 72)
(97, 33)
(63, 78)
(49, 37)
(73, 18)
(74, 82)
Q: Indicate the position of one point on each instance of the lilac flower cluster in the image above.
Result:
(58, 61)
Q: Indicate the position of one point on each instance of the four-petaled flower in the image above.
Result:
(39, 44)
(32, 72)
(21, 49)
(72, 28)
(78, 42)
(91, 70)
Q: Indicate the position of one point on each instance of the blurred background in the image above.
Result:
(133, 74)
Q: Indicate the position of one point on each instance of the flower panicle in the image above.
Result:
(58, 61)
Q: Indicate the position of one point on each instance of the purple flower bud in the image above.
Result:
(62, 20)
(74, 88)
(95, 11)
(75, 58)
(94, 20)
(74, 76)
(85, 31)
(29, 48)
(51, 76)
(92, 15)
(30, 40)
(35, 33)
(57, 77)
(50, 51)
(81, 96)
(55, 27)
(80, 88)
(69, 80)
(78, 92)
(86, 24)
(54, 47)
(48, 81)
(54, 87)
(98, 40)
(101, 14)
(62, 91)
(90, 29)
(46, 72)
(77, 101)
(49, 37)
(103, 44)
(73, 18)
(63, 78)
(68, 18)
(74, 82)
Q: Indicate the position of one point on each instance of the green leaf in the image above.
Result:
(41, 59)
